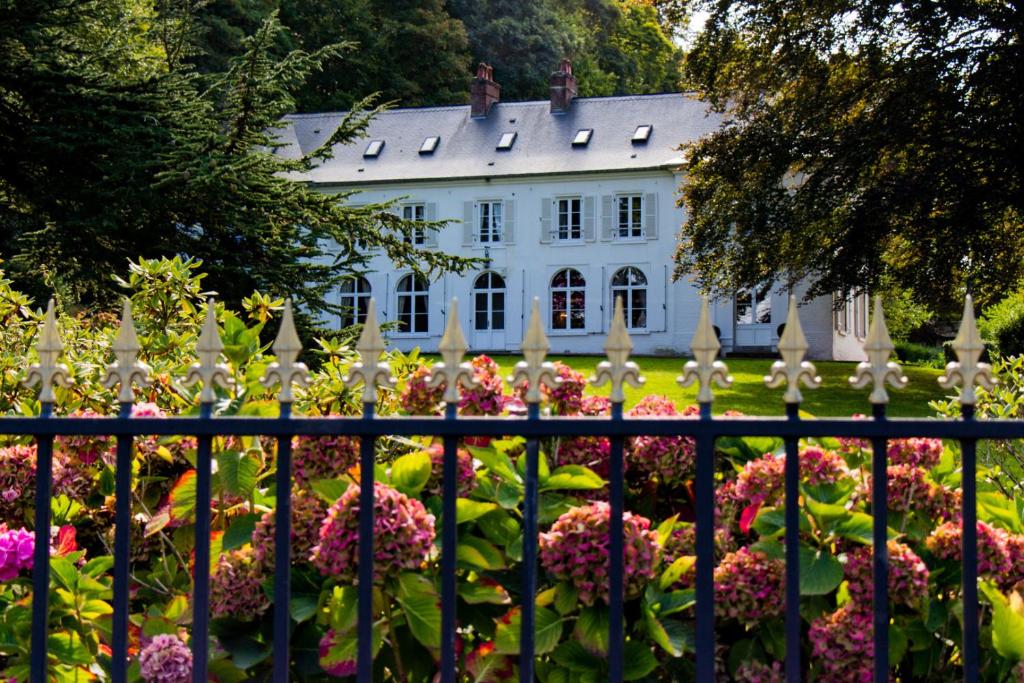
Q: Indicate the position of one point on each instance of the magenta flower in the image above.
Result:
(16, 547)
(419, 399)
(917, 452)
(576, 550)
(849, 445)
(465, 475)
(762, 480)
(594, 406)
(749, 587)
(567, 398)
(753, 671)
(488, 397)
(908, 575)
(993, 556)
(322, 457)
(165, 659)
(843, 646)
(236, 586)
(403, 534)
(308, 512)
(17, 482)
(84, 448)
(671, 459)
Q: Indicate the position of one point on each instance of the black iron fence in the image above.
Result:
(534, 427)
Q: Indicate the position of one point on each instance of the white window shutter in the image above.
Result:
(429, 234)
(508, 219)
(545, 220)
(651, 216)
(607, 217)
(468, 223)
(588, 218)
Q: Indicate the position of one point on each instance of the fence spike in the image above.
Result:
(208, 370)
(793, 369)
(286, 370)
(967, 369)
(48, 373)
(451, 371)
(878, 369)
(704, 369)
(618, 369)
(534, 371)
(370, 369)
(127, 368)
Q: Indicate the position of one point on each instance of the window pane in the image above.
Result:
(576, 279)
(561, 279)
(481, 311)
(498, 320)
(404, 313)
(498, 301)
(497, 281)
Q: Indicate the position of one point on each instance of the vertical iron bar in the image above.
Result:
(41, 551)
(122, 557)
(615, 559)
(880, 540)
(201, 597)
(366, 502)
(970, 550)
(705, 548)
(283, 552)
(792, 485)
(529, 588)
(449, 492)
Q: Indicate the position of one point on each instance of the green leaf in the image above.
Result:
(411, 472)
(330, 490)
(499, 527)
(497, 462)
(574, 657)
(237, 472)
(1007, 623)
(859, 527)
(479, 554)
(998, 510)
(467, 510)
(423, 614)
(68, 648)
(566, 598)
(573, 477)
(484, 592)
(676, 570)
(672, 636)
(820, 572)
(240, 532)
(183, 497)
(547, 632)
(638, 660)
(592, 629)
(64, 573)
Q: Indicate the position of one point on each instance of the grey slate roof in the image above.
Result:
(543, 144)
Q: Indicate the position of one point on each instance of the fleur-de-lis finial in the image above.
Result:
(127, 368)
(878, 369)
(704, 369)
(208, 370)
(967, 370)
(286, 369)
(370, 369)
(48, 373)
(793, 369)
(451, 371)
(618, 369)
(534, 371)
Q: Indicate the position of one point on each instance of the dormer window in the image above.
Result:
(582, 138)
(506, 141)
(642, 133)
(430, 144)
(373, 149)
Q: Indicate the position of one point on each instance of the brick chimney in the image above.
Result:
(563, 87)
(483, 91)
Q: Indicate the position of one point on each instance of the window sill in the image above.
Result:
(568, 243)
(568, 333)
(492, 245)
(410, 335)
(630, 240)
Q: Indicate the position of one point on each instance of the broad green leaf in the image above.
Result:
(499, 527)
(638, 659)
(676, 570)
(998, 510)
(423, 614)
(183, 497)
(592, 629)
(484, 591)
(574, 657)
(237, 472)
(574, 478)
(411, 472)
(177, 609)
(68, 648)
(820, 572)
(858, 527)
(566, 598)
(330, 490)
(467, 510)
(64, 573)
(479, 554)
(672, 636)
(240, 531)
(1007, 623)
(547, 632)
(497, 462)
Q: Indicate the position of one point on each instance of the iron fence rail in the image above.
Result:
(704, 429)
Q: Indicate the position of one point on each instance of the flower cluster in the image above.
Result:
(910, 489)
(821, 467)
(915, 451)
(753, 671)
(763, 480)
(307, 514)
(908, 575)
(465, 474)
(403, 534)
(749, 586)
(589, 451)
(1000, 554)
(669, 458)
(567, 397)
(849, 445)
(166, 659)
(419, 399)
(488, 396)
(576, 550)
(236, 586)
(16, 546)
(323, 457)
(85, 449)
(843, 646)
(17, 481)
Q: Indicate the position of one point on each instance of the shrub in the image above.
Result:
(1002, 325)
(910, 353)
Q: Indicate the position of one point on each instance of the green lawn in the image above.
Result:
(749, 394)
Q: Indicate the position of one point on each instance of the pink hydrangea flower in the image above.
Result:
(308, 512)
(908, 575)
(917, 452)
(236, 586)
(763, 480)
(669, 458)
(576, 550)
(166, 659)
(17, 481)
(749, 586)
(16, 547)
(567, 397)
(821, 467)
(322, 457)
(993, 558)
(588, 451)
(842, 645)
(849, 445)
(908, 487)
(419, 399)
(595, 406)
(488, 396)
(465, 474)
(403, 533)
(754, 671)
(1015, 557)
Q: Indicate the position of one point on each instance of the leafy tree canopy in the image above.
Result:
(865, 140)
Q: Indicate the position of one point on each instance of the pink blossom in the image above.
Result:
(749, 587)
(322, 457)
(17, 481)
(843, 646)
(669, 458)
(488, 397)
(753, 671)
(917, 452)
(16, 548)
(993, 557)
(465, 475)
(908, 575)
(236, 586)
(419, 399)
(308, 512)
(165, 659)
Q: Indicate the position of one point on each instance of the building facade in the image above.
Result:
(573, 201)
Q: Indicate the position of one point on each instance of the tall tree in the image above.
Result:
(864, 140)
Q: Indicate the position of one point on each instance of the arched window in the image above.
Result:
(355, 300)
(630, 284)
(489, 302)
(412, 304)
(568, 300)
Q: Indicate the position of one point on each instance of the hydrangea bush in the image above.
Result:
(572, 595)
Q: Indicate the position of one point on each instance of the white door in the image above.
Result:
(754, 318)
(488, 313)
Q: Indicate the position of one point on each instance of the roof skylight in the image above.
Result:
(430, 144)
(582, 138)
(642, 133)
(507, 140)
(373, 149)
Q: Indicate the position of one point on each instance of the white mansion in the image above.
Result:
(572, 200)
